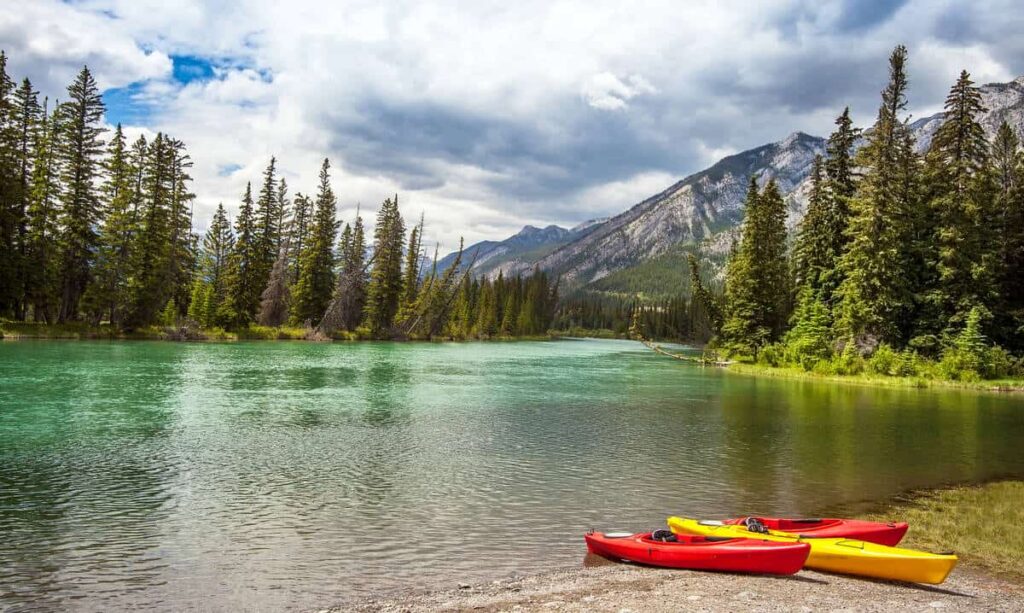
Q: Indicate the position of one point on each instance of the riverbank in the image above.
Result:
(83, 331)
(979, 522)
(626, 588)
(782, 372)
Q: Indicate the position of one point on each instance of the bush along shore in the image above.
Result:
(907, 264)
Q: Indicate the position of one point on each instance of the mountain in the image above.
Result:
(519, 251)
(644, 249)
(694, 210)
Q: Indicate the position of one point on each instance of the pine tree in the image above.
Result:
(283, 218)
(299, 233)
(79, 151)
(242, 297)
(218, 245)
(9, 267)
(315, 286)
(42, 278)
(411, 278)
(813, 255)
(384, 292)
(757, 278)
(487, 311)
(267, 230)
(960, 201)
(108, 292)
(26, 114)
(162, 254)
(874, 293)
(1008, 163)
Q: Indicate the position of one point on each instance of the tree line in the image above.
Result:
(669, 318)
(903, 258)
(101, 231)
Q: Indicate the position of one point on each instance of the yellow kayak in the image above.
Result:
(838, 555)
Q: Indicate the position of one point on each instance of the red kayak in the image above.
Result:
(871, 531)
(662, 548)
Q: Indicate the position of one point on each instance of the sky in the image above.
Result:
(489, 115)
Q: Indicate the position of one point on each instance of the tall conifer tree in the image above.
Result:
(384, 292)
(875, 294)
(315, 287)
(79, 151)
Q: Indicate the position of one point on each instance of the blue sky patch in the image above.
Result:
(125, 106)
(188, 68)
(225, 170)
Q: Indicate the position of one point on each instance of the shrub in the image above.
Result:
(998, 363)
(907, 364)
(770, 355)
(883, 360)
(849, 362)
(824, 367)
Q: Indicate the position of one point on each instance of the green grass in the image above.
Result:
(785, 372)
(982, 524)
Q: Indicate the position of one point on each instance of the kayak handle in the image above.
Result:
(808, 520)
(717, 539)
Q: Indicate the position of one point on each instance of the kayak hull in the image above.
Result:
(700, 553)
(889, 533)
(838, 555)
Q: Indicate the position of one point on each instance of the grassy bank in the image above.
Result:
(982, 524)
(783, 372)
(82, 331)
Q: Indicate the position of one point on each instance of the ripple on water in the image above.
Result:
(237, 476)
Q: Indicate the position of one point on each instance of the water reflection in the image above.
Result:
(289, 475)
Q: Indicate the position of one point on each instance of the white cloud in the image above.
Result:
(483, 115)
(608, 92)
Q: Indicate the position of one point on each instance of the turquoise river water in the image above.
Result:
(275, 475)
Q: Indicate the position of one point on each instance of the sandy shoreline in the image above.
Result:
(622, 587)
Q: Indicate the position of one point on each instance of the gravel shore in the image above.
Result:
(622, 588)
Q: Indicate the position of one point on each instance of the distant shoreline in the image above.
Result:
(15, 331)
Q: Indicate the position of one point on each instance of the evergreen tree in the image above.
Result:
(242, 284)
(79, 151)
(267, 220)
(487, 311)
(25, 115)
(315, 287)
(108, 292)
(299, 233)
(1008, 163)
(384, 292)
(875, 294)
(757, 277)
(813, 254)
(960, 202)
(283, 218)
(218, 246)
(411, 278)
(42, 271)
(9, 268)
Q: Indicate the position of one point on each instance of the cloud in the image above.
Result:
(490, 115)
(607, 92)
